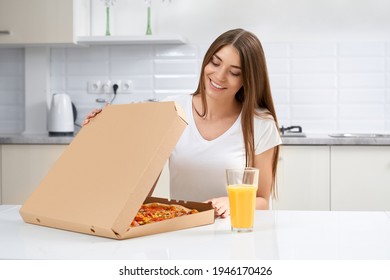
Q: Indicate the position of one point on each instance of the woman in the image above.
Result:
(231, 123)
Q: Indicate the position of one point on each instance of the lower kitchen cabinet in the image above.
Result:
(1, 176)
(360, 178)
(23, 167)
(309, 177)
(303, 178)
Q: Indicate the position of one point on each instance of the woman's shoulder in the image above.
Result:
(266, 131)
(264, 121)
(263, 115)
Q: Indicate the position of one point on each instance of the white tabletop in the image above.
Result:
(277, 235)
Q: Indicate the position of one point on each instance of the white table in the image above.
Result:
(277, 235)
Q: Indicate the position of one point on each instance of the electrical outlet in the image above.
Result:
(94, 87)
(127, 87)
(119, 83)
(107, 87)
(104, 87)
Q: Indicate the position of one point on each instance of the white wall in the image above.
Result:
(324, 87)
(273, 20)
(329, 61)
(12, 87)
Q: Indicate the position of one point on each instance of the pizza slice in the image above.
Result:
(155, 212)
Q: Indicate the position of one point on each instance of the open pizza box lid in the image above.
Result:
(101, 180)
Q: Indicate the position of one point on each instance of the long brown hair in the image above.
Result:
(254, 94)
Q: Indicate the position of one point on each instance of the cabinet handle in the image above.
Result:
(5, 32)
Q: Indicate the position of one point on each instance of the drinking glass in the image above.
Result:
(242, 187)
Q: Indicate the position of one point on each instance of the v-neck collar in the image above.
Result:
(197, 132)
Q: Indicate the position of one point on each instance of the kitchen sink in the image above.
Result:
(293, 134)
(291, 131)
(359, 135)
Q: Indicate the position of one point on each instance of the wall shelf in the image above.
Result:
(131, 40)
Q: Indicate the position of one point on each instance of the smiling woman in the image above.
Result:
(232, 124)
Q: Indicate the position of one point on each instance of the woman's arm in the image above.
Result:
(264, 162)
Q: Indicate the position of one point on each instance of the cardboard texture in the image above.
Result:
(100, 181)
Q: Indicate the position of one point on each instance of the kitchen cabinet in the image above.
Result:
(318, 177)
(0, 177)
(23, 168)
(43, 21)
(360, 178)
(303, 178)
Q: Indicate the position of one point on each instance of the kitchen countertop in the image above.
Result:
(311, 139)
(34, 139)
(286, 235)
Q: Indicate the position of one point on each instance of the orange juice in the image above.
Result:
(242, 200)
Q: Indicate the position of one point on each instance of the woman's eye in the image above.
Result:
(235, 74)
(214, 63)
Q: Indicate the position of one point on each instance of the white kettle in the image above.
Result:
(61, 116)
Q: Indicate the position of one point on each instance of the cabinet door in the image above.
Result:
(40, 21)
(360, 178)
(303, 178)
(1, 176)
(23, 168)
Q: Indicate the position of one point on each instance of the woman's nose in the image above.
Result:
(221, 75)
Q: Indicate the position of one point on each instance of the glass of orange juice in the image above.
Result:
(242, 187)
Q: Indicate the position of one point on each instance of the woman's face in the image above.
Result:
(223, 75)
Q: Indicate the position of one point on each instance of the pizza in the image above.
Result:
(156, 212)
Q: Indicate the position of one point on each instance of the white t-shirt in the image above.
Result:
(197, 166)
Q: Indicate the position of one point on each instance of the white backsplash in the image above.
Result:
(155, 71)
(331, 87)
(11, 90)
(324, 87)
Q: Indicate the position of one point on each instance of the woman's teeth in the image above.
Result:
(215, 85)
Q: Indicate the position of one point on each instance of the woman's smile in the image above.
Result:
(216, 86)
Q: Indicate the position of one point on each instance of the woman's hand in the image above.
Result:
(221, 206)
(91, 115)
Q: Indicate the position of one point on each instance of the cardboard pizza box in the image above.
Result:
(100, 181)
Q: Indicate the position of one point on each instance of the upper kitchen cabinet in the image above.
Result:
(25, 22)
